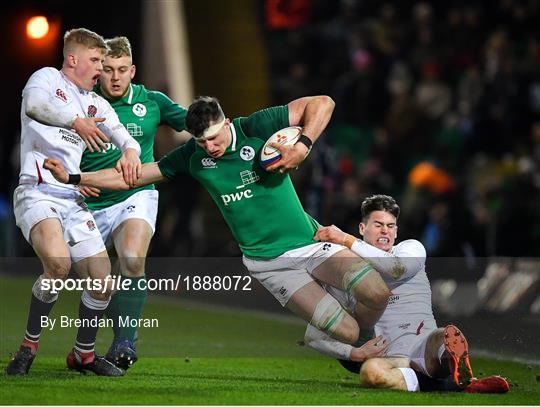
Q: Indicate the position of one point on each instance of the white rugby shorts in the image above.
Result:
(141, 205)
(286, 274)
(34, 203)
(406, 330)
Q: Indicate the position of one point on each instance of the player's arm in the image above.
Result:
(171, 113)
(329, 346)
(129, 164)
(37, 105)
(108, 178)
(407, 258)
(312, 113)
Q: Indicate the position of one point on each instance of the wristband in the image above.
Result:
(348, 241)
(74, 179)
(305, 140)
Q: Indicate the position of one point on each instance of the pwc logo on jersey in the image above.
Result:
(208, 163)
(92, 110)
(247, 177)
(60, 94)
(236, 196)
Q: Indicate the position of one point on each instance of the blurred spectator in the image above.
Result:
(437, 103)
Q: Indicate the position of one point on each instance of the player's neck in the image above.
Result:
(70, 76)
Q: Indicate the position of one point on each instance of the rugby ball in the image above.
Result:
(285, 137)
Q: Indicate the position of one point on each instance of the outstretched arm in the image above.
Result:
(329, 346)
(108, 178)
(408, 258)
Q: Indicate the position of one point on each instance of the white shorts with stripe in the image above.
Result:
(286, 274)
(34, 203)
(141, 205)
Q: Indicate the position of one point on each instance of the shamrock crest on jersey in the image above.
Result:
(247, 153)
(139, 109)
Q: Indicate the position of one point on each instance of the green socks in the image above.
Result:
(126, 306)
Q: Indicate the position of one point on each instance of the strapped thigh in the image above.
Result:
(356, 273)
(328, 314)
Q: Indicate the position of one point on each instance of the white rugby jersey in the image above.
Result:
(409, 306)
(398, 264)
(54, 96)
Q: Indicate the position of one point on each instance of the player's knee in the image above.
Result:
(331, 318)
(132, 264)
(100, 295)
(374, 296)
(373, 374)
(348, 329)
(379, 296)
(104, 289)
(57, 267)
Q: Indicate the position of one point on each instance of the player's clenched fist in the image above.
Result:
(333, 234)
(57, 169)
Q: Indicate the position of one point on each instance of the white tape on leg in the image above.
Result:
(328, 314)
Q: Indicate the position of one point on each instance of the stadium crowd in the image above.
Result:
(437, 104)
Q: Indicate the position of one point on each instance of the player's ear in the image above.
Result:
(71, 59)
(361, 228)
(133, 69)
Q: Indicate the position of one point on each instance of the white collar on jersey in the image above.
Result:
(130, 97)
(233, 137)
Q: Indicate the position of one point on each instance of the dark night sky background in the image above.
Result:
(22, 57)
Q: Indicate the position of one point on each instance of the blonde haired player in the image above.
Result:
(61, 117)
(127, 219)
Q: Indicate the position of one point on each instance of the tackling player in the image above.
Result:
(60, 117)
(263, 211)
(418, 355)
(127, 219)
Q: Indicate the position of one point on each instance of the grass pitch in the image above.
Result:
(204, 355)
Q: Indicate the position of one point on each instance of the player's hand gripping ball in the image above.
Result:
(285, 137)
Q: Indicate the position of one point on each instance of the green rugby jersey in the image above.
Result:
(141, 111)
(260, 207)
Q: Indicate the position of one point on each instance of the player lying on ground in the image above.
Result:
(418, 355)
(263, 211)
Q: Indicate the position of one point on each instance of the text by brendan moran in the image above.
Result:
(123, 322)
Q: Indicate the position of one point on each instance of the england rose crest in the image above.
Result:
(92, 110)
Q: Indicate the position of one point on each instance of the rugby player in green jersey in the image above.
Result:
(127, 219)
(263, 211)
